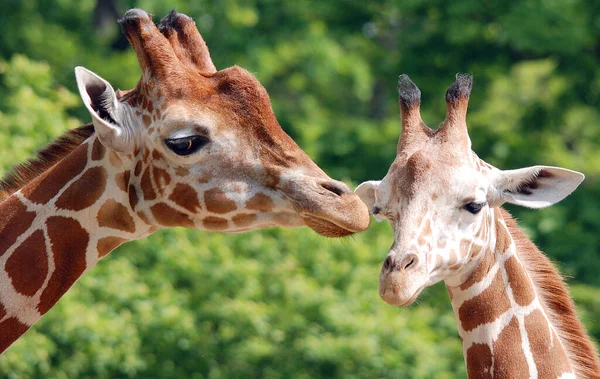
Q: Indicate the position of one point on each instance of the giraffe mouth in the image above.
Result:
(412, 299)
(391, 296)
(324, 227)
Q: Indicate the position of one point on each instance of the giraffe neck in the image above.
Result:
(503, 322)
(56, 228)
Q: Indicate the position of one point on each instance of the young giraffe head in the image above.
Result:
(439, 196)
(202, 148)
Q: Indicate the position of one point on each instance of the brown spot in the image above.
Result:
(143, 216)
(168, 216)
(479, 361)
(12, 329)
(150, 106)
(138, 168)
(47, 185)
(181, 171)
(85, 191)
(485, 307)
(69, 243)
(416, 167)
(509, 358)
(185, 196)
(244, 219)
(434, 197)
(115, 216)
(122, 180)
(427, 229)
(133, 197)
(503, 238)
(161, 178)
(476, 249)
(27, 267)
(272, 179)
(547, 353)
(217, 201)
(156, 155)
(215, 223)
(107, 244)
(98, 150)
(146, 120)
(204, 178)
(15, 221)
(519, 282)
(485, 265)
(260, 202)
(146, 184)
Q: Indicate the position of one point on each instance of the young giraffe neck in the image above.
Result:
(505, 323)
(56, 228)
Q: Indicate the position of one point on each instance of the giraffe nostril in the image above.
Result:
(408, 262)
(337, 188)
(387, 264)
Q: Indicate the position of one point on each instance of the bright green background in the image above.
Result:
(288, 303)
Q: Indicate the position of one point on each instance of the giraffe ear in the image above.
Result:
(107, 116)
(366, 192)
(536, 186)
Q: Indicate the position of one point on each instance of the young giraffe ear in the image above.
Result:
(537, 186)
(101, 101)
(366, 192)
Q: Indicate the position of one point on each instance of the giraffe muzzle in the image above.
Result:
(402, 279)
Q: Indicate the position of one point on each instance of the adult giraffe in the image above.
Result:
(513, 310)
(189, 146)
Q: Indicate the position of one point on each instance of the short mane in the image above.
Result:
(557, 302)
(27, 171)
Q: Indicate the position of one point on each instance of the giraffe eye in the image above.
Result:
(473, 207)
(186, 145)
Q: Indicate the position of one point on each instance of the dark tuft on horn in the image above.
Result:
(170, 21)
(408, 93)
(460, 89)
(187, 43)
(131, 17)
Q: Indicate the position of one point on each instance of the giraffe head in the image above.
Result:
(438, 196)
(202, 148)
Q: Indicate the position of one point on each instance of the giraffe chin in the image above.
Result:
(394, 298)
(326, 228)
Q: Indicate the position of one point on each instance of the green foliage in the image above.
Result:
(286, 303)
(277, 303)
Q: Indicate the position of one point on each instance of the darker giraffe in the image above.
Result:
(514, 313)
(189, 146)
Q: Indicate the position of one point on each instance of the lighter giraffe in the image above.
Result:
(514, 313)
(189, 146)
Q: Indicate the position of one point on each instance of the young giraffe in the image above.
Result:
(189, 146)
(513, 310)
